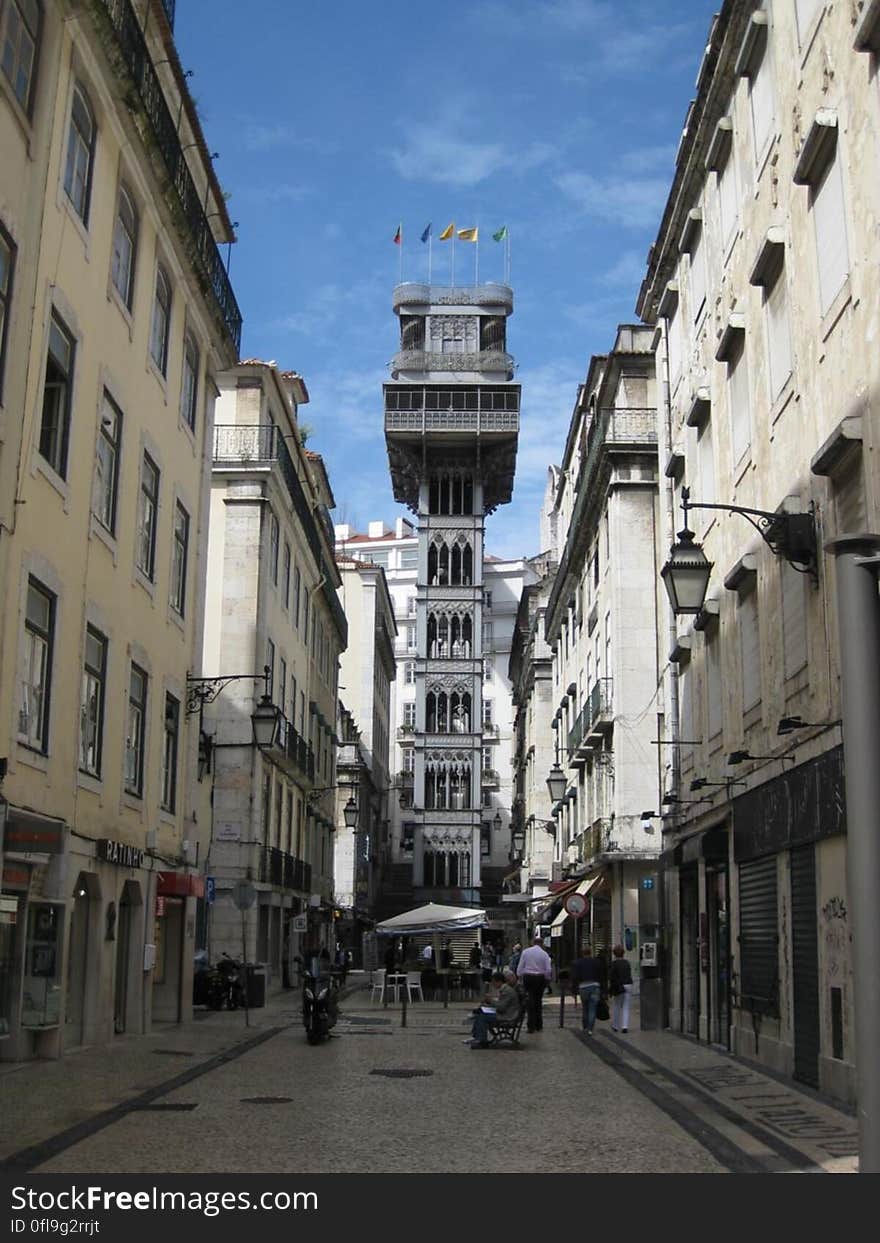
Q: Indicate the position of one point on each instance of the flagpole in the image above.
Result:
(430, 241)
(401, 254)
(452, 285)
(477, 257)
(507, 280)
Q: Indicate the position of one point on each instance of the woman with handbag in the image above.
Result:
(620, 983)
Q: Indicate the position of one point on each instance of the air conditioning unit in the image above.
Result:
(151, 840)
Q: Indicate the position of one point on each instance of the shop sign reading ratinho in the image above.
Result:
(119, 853)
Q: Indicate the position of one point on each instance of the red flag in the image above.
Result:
(398, 236)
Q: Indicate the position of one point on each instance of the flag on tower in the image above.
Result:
(448, 232)
(501, 234)
(398, 236)
(426, 234)
(468, 235)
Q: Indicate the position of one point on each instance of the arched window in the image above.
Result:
(467, 500)
(455, 579)
(443, 566)
(444, 494)
(432, 565)
(161, 320)
(433, 495)
(80, 154)
(125, 233)
(467, 566)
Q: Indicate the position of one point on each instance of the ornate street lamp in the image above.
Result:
(518, 840)
(350, 813)
(265, 722)
(686, 574)
(556, 783)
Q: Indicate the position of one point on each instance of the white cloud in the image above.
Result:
(272, 135)
(280, 192)
(439, 151)
(634, 202)
(627, 272)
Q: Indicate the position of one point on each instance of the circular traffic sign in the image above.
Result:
(244, 895)
(576, 905)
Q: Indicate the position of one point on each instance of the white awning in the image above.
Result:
(586, 885)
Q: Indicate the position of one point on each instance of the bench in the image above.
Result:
(507, 1029)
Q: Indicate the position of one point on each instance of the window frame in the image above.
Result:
(107, 521)
(126, 295)
(179, 559)
(78, 145)
(170, 748)
(46, 635)
(135, 786)
(189, 367)
(274, 543)
(93, 689)
(147, 498)
(27, 103)
(161, 359)
(6, 290)
(57, 459)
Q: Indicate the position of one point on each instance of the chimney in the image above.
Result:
(342, 532)
(376, 530)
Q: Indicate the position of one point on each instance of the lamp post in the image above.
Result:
(857, 560)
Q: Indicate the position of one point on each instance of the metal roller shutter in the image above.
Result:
(805, 965)
(758, 935)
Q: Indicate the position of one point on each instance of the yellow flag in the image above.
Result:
(447, 232)
(468, 235)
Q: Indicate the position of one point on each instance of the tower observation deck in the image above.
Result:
(451, 428)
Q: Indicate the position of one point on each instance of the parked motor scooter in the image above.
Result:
(231, 990)
(320, 1009)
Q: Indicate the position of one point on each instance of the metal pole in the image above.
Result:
(247, 1016)
(858, 608)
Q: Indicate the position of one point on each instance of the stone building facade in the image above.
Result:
(762, 285)
(115, 316)
(271, 604)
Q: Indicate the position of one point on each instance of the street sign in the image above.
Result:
(243, 895)
(300, 923)
(576, 905)
(210, 888)
(647, 882)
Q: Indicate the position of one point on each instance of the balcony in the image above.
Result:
(131, 50)
(292, 750)
(490, 730)
(404, 780)
(601, 710)
(284, 870)
(259, 446)
(406, 731)
(490, 778)
(481, 421)
(425, 360)
(416, 293)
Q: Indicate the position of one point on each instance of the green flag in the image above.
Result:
(501, 234)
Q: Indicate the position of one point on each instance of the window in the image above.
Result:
(409, 759)
(273, 547)
(487, 601)
(18, 46)
(488, 711)
(778, 336)
(728, 198)
(713, 680)
(794, 619)
(135, 742)
(673, 345)
(161, 320)
(189, 382)
(738, 397)
(409, 714)
(410, 638)
(297, 590)
(750, 647)
(409, 558)
(179, 550)
(829, 219)
(686, 709)
(80, 154)
(488, 635)
(286, 598)
(57, 390)
(409, 672)
(487, 759)
(107, 465)
(33, 718)
(306, 611)
(7, 256)
(92, 702)
(170, 733)
(282, 683)
(380, 557)
(411, 606)
(125, 234)
(697, 273)
(270, 663)
(761, 96)
(148, 510)
(706, 463)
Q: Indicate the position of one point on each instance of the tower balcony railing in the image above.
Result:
(428, 360)
(451, 421)
(406, 731)
(417, 293)
(164, 133)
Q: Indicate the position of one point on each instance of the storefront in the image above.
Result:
(173, 944)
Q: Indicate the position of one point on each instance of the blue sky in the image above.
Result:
(333, 122)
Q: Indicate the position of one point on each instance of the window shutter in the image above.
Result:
(761, 98)
(686, 707)
(698, 275)
(830, 224)
(750, 649)
(713, 682)
(706, 460)
(727, 198)
(674, 347)
(778, 336)
(738, 391)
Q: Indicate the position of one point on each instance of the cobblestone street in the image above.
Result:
(214, 1096)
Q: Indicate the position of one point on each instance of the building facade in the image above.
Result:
(762, 285)
(115, 316)
(367, 675)
(271, 605)
(601, 627)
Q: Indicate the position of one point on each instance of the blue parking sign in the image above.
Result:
(210, 888)
(647, 882)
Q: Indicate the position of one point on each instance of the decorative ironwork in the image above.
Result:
(204, 249)
(790, 536)
(431, 360)
(201, 691)
(415, 293)
(451, 421)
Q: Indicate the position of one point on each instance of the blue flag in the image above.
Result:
(426, 234)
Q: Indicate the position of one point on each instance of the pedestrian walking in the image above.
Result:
(514, 958)
(534, 969)
(620, 983)
(589, 981)
(487, 962)
(475, 956)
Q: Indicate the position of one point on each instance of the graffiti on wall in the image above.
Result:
(835, 937)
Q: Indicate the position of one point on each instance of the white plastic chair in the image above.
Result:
(378, 985)
(414, 986)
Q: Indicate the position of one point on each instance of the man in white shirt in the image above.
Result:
(535, 970)
(428, 955)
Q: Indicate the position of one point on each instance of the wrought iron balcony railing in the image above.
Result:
(277, 867)
(163, 129)
(451, 421)
(427, 360)
(295, 748)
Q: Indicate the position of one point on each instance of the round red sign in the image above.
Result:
(576, 905)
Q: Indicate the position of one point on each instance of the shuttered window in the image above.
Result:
(794, 619)
(713, 681)
(830, 225)
(728, 199)
(738, 397)
(674, 347)
(706, 463)
(806, 11)
(761, 101)
(749, 648)
(686, 709)
(758, 935)
(849, 496)
(778, 335)
(698, 274)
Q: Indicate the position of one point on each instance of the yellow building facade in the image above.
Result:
(116, 314)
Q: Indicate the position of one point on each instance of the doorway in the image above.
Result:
(126, 923)
(805, 965)
(169, 962)
(690, 958)
(719, 954)
(77, 965)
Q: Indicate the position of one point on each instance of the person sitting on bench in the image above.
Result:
(504, 1005)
